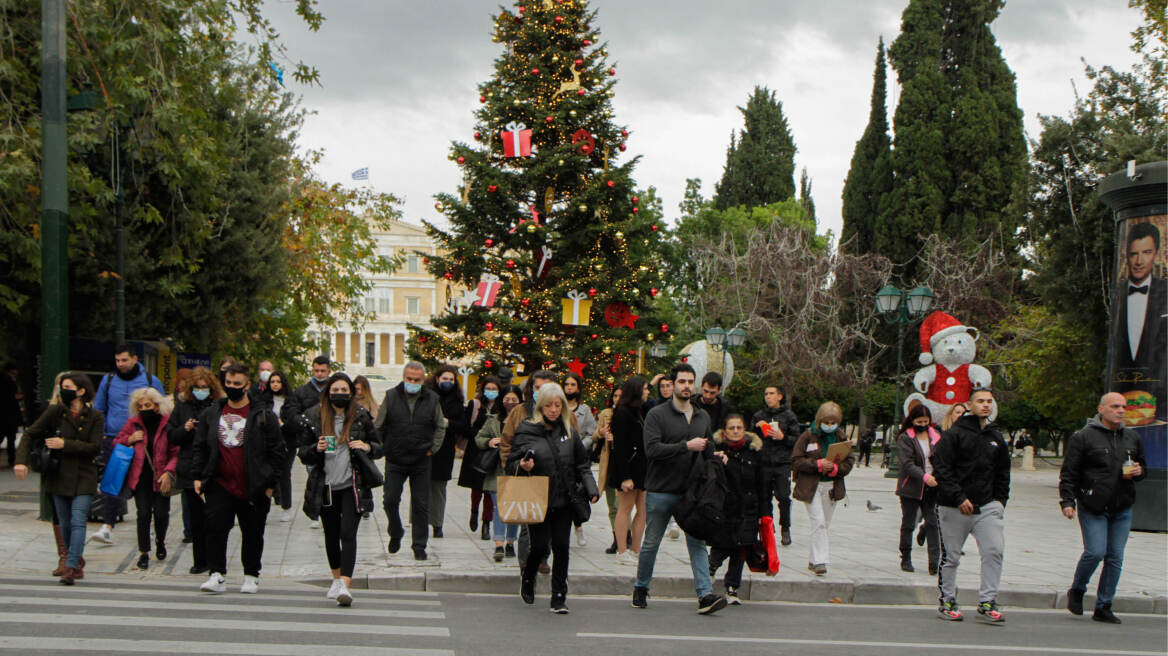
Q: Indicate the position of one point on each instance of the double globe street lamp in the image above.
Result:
(901, 308)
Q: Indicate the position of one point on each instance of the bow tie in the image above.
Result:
(1137, 290)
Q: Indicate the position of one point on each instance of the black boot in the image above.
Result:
(1104, 614)
(906, 564)
(474, 520)
(1075, 601)
(486, 533)
(612, 548)
(527, 590)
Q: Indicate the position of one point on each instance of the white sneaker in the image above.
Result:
(315, 524)
(215, 584)
(251, 585)
(102, 535)
(580, 541)
(627, 558)
(344, 597)
(286, 517)
(335, 589)
(674, 533)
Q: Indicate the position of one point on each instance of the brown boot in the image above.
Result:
(69, 576)
(79, 571)
(61, 552)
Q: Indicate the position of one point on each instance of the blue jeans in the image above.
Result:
(499, 530)
(1104, 537)
(658, 510)
(72, 513)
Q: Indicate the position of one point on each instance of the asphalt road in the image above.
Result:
(112, 615)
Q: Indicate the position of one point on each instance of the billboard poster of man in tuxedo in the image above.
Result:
(1140, 326)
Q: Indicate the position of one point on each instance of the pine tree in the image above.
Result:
(870, 175)
(760, 167)
(570, 197)
(805, 199)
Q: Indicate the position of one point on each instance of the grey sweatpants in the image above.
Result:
(989, 530)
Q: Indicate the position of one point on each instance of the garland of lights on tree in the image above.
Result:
(559, 265)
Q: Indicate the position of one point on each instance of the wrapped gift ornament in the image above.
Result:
(516, 140)
(488, 290)
(545, 262)
(577, 306)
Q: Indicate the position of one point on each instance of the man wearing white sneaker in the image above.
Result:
(238, 459)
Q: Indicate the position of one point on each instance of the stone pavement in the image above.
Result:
(1041, 550)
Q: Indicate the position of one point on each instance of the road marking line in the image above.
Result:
(194, 593)
(857, 643)
(372, 613)
(99, 619)
(176, 647)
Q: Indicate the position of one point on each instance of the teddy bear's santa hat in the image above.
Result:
(937, 326)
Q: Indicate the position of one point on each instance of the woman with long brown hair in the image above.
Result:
(201, 391)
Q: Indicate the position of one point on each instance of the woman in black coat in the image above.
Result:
(444, 381)
(482, 406)
(201, 391)
(748, 499)
(626, 468)
(338, 489)
(546, 445)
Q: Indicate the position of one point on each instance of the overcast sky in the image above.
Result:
(399, 80)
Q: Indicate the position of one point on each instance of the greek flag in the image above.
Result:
(361, 174)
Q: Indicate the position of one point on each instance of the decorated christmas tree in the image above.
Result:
(547, 236)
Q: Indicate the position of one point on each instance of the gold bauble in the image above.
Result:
(607, 349)
(646, 242)
(620, 235)
(610, 380)
(649, 337)
(599, 266)
(572, 113)
(561, 162)
(583, 208)
(531, 227)
(517, 102)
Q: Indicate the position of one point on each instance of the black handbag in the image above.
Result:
(370, 475)
(488, 461)
(41, 459)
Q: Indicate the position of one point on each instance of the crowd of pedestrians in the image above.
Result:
(673, 454)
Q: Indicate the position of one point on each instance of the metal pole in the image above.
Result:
(55, 198)
(120, 241)
(901, 320)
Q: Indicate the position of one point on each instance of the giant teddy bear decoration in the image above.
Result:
(949, 375)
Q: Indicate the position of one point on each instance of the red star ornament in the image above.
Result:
(618, 314)
(577, 367)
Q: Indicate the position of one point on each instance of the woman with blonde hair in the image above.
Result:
(951, 415)
(819, 482)
(152, 471)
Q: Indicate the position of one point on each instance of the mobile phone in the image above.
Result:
(530, 455)
(328, 496)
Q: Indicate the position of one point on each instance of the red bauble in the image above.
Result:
(522, 9)
(624, 133)
(612, 71)
(423, 339)
(425, 260)
(653, 227)
(579, 62)
(547, 364)
(594, 336)
(632, 351)
(535, 71)
(523, 340)
(587, 43)
(636, 199)
(461, 159)
(448, 275)
(611, 183)
(621, 147)
(489, 326)
(492, 188)
(481, 343)
(614, 368)
(685, 359)
(478, 135)
(653, 292)
(664, 327)
(559, 19)
(549, 119)
(581, 92)
(488, 363)
(482, 99)
(525, 302)
(510, 264)
(635, 210)
(592, 291)
(489, 242)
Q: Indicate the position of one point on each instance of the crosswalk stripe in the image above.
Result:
(372, 614)
(103, 619)
(39, 644)
(193, 592)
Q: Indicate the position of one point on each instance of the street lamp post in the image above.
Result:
(725, 341)
(902, 308)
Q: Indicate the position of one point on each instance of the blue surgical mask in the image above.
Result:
(828, 428)
(201, 393)
(413, 388)
(490, 395)
(534, 395)
(446, 385)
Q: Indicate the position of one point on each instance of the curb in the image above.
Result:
(820, 591)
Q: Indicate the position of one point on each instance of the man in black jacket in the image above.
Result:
(779, 429)
(238, 460)
(308, 394)
(713, 402)
(674, 433)
(1100, 466)
(972, 464)
(412, 430)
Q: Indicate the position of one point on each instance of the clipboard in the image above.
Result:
(838, 452)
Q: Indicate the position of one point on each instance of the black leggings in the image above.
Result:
(150, 503)
(556, 528)
(340, 522)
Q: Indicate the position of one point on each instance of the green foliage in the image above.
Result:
(590, 214)
(878, 402)
(805, 199)
(870, 174)
(760, 163)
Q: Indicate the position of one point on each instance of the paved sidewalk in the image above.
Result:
(1041, 550)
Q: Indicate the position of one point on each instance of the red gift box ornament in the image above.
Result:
(516, 140)
(488, 290)
(534, 219)
(584, 138)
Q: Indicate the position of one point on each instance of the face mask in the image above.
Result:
(148, 415)
(828, 428)
(264, 376)
(490, 395)
(413, 388)
(235, 393)
(446, 385)
(68, 396)
(573, 396)
(534, 396)
(201, 393)
(321, 379)
(339, 400)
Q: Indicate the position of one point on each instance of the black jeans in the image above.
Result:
(340, 522)
(418, 475)
(556, 527)
(927, 506)
(733, 569)
(865, 455)
(780, 484)
(222, 511)
(284, 489)
(150, 504)
(198, 513)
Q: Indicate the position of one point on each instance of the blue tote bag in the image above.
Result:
(116, 470)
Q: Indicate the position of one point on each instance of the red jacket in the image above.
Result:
(165, 455)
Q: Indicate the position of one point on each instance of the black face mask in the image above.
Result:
(68, 396)
(573, 396)
(339, 400)
(235, 393)
(149, 416)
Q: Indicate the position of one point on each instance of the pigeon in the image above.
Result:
(872, 507)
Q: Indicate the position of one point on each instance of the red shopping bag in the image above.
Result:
(764, 555)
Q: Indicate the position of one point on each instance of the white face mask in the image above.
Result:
(265, 375)
(828, 428)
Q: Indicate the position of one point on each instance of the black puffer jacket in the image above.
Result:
(179, 436)
(747, 496)
(549, 443)
(775, 452)
(362, 430)
(442, 467)
(972, 462)
(1092, 472)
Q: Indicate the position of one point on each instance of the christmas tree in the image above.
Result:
(547, 235)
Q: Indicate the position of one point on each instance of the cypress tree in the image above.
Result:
(870, 174)
(805, 199)
(760, 167)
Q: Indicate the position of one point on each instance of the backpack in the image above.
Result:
(699, 512)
